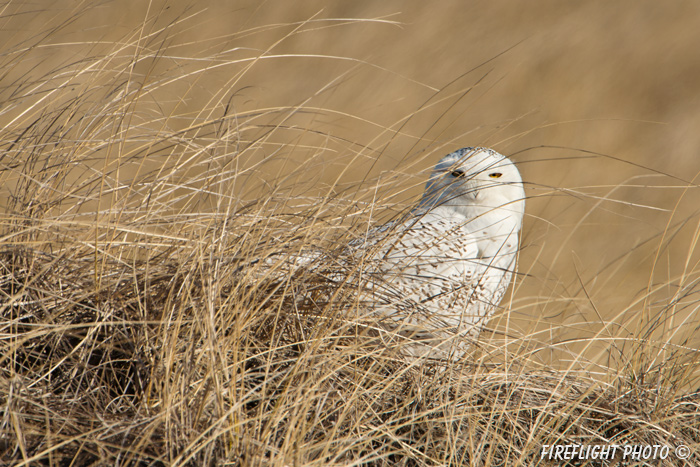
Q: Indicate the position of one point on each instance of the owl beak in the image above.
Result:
(471, 187)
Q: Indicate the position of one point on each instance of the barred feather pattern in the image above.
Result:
(437, 276)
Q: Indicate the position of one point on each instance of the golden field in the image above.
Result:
(153, 153)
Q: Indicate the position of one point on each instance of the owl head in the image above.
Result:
(475, 182)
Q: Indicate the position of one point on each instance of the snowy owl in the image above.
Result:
(439, 273)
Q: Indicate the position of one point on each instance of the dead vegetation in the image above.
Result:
(140, 323)
(185, 366)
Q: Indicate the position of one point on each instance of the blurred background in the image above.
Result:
(597, 102)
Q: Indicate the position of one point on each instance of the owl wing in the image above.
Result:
(427, 275)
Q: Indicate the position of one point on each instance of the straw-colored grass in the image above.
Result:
(148, 315)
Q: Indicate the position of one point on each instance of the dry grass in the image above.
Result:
(141, 324)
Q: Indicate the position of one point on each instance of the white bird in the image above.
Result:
(437, 275)
(433, 278)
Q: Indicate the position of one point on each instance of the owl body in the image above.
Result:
(438, 275)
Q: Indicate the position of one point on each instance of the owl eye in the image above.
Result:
(495, 175)
(458, 173)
